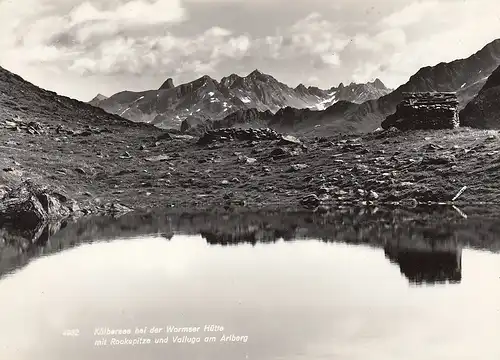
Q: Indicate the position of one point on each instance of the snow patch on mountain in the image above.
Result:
(322, 105)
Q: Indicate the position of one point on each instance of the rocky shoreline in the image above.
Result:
(229, 179)
(230, 169)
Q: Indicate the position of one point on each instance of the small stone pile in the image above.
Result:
(230, 134)
(425, 111)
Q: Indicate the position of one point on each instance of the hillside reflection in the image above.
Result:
(426, 243)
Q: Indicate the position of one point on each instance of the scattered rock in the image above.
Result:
(438, 160)
(279, 152)
(289, 140)
(349, 148)
(373, 195)
(232, 134)
(311, 201)
(11, 125)
(125, 172)
(283, 152)
(126, 155)
(297, 167)
(158, 158)
(432, 147)
(164, 136)
(246, 160)
(117, 209)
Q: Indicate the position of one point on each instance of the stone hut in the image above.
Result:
(425, 111)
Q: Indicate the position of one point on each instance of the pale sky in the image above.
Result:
(81, 48)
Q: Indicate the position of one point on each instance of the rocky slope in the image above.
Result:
(465, 77)
(45, 137)
(206, 98)
(484, 110)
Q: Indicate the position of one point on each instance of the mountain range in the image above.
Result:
(206, 99)
(259, 99)
(466, 77)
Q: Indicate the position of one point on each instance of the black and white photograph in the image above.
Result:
(249, 180)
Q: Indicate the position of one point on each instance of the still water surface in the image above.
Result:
(288, 300)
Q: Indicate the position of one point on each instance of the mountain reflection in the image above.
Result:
(425, 243)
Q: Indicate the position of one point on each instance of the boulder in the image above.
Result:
(27, 208)
(425, 111)
(24, 212)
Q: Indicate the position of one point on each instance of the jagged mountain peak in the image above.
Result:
(233, 76)
(230, 80)
(168, 84)
(204, 80)
(98, 98)
(378, 84)
(259, 75)
(255, 72)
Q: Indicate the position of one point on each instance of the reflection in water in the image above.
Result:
(421, 266)
(409, 236)
(429, 258)
(305, 299)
